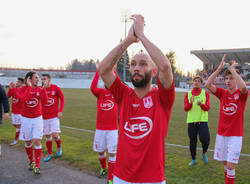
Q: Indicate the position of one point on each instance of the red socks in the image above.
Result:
(29, 151)
(17, 134)
(111, 167)
(38, 154)
(49, 146)
(103, 160)
(230, 177)
(58, 142)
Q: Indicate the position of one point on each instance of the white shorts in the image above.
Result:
(51, 126)
(228, 148)
(32, 128)
(105, 139)
(16, 119)
(117, 180)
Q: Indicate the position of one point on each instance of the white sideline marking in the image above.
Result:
(167, 144)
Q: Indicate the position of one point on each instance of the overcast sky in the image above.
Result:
(43, 33)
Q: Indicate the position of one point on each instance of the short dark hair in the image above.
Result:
(46, 75)
(20, 79)
(227, 72)
(29, 74)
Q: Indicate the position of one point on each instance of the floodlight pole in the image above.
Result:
(125, 19)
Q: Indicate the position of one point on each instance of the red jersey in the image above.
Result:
(143, 127)
(107, 110)
(32, 97)
(17, 105)
(50, 109)
(196, 92)
(232, 107)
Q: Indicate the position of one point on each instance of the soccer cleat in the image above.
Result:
(31, 166)
(109, 182)
(48, 158)
(13, 142)
(192, 163)
(59, 152)
(36, 170)
(205, 159)
(102, 173)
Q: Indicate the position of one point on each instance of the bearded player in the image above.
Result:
(144, 111)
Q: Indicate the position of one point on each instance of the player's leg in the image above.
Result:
(112, 140)
(29, 150)
(220, 151)
(192, 134)
(204, 137)
(55, 129)
(26, 135)
(48, 134)
(16, 122)
(100, 146)
(49, 144)
(37, 134)
(234, 149)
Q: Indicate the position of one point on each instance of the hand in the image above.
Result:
(222, 63)
(28, 81)
(131, 35)
(199, 103)
(139, 24)
(12, 85)
(192, 99)
(59, 115)
(97, 66)
(232, 65)
(45, 84)
(5, 116)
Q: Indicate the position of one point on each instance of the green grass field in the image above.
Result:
(80, 112)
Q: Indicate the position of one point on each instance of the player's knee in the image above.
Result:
(101, 153)
(230, 166)
(55, 136)
(112, 154)
(37, 142)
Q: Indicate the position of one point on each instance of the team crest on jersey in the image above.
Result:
(37, 93)
(139, 127)
(236, 96)
(51, 101)
(230, 109)
(107, 105)
(33, 102)
(15, 100)
(148, 102)
(53, 92)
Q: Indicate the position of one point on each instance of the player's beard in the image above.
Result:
(142, 83)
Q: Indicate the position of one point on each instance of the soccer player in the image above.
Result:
(5, 103)
(197, 105)
(106, 134)
(17, 107)
(51, 114)
(32, 124)
(230, 128)
(144, 111)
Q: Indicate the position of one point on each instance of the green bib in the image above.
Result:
(196, 114)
